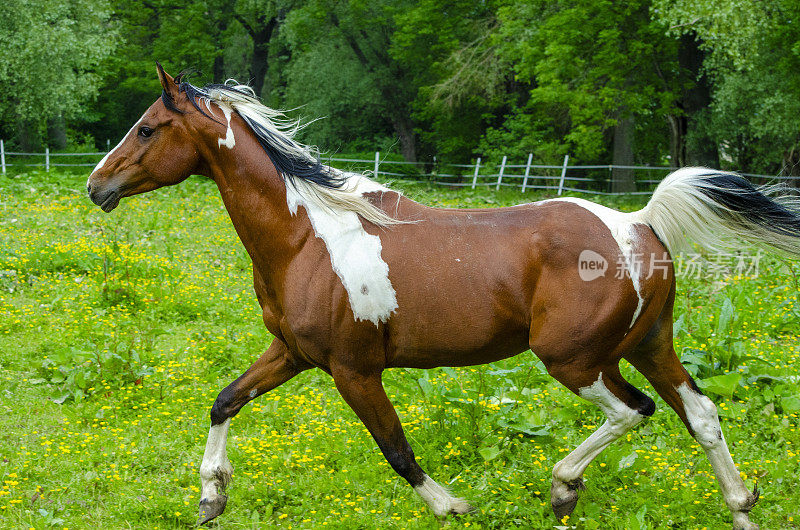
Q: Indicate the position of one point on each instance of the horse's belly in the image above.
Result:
(458, 335)
(447, 355)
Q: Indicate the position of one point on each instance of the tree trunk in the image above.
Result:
(791, 165)
(702, 149)
(404, 128)
(57, 132)
(28, 136)
(622, 179)
(677, 141)
(261, 35)
(259, 65)
(218, 70)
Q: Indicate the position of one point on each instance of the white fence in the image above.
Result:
(594, 179)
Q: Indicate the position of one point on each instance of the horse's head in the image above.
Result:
(158, 151)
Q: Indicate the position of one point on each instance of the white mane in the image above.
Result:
(273, 127)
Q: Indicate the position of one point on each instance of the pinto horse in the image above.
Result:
(354, 278)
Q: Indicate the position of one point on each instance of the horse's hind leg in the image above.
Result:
(365, 394)
(655, 358)
(273, 368)
(624, 407)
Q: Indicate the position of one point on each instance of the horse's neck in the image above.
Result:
(256, 204)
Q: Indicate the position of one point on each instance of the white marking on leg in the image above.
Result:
(702, 415)
(355, 254)
(621, 226)
(216, 469)
(229, 141)
(620, 418)
(439, 500)
(103, 161)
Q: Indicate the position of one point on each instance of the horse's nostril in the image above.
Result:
(88, 188)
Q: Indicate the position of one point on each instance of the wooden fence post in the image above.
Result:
(47, 159)
(3, 156)
(377, 164)
(500, 176)
(563, 174)
(475, 176)
(527, 172)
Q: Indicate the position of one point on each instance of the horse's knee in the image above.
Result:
(224, 406)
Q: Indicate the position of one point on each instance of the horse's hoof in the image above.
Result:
(564, 497)
(565, 505)
(210, 509)
(741, 518)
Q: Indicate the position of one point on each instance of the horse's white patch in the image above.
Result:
(229, 141)
(702, 415)
(439, 499)
(355, 254)
(215, 466)
(254, 393)
(621, 226)
(620, 418)
(103, 161)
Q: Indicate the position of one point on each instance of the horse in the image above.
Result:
(354, 278)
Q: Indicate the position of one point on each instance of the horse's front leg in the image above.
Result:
(366, 396)
(273, 368)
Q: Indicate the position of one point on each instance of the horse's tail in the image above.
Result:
(719, 210)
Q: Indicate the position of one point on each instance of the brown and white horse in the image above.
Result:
(354, 278)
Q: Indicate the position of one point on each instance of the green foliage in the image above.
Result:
(587, 64)
(353, 38)
(330, 86)
(753, 55)
(77, 371)
(52, 51)
(459, 78)
(448, 79)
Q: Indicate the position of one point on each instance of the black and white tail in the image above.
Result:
(719, 210)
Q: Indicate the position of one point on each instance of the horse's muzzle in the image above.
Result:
(107, 199)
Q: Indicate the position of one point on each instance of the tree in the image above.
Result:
(592, 74)
(365, 30)
(751, 55)
(52, 50)
(260, 19)
(181, 34)
(460, 84)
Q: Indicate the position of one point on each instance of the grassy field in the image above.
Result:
(117, 331)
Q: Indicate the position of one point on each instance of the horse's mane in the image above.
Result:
(298, 164)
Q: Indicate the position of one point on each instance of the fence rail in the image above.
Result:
(592, 178)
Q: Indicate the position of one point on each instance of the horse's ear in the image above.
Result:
(167, 82)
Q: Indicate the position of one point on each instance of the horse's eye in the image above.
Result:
(145, 131)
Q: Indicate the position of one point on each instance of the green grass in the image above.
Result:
(117, 331)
